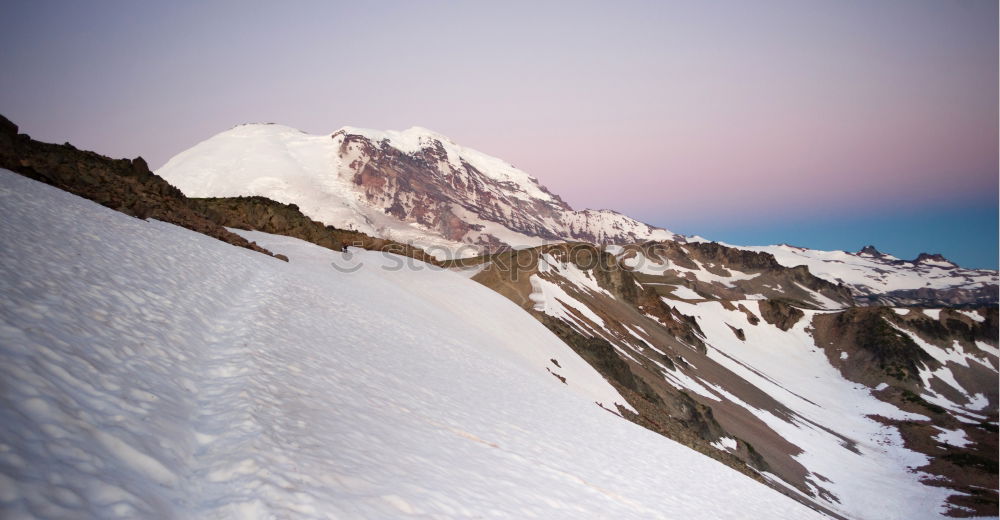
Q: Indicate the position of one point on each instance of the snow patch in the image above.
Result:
(955, 438)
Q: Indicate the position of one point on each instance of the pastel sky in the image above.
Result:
(828, 124)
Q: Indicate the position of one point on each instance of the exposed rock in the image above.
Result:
(7, 128)
(876, 348)
(780, 314)
(601, 355)
(871, 251)
(263, 214)
(120, 184)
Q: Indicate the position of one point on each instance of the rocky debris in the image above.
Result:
(751, 317)
(952, 325)
(601, 355)
(636, 359)
(639, 377)
(675, 415)
(120, 184)
(605, 268)
(880, 356)
(739, 333)
(969, 470)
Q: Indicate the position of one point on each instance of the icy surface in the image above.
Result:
(151, 372)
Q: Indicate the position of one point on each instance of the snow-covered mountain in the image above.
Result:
(419, 187)
(413, 186)
(150, 371)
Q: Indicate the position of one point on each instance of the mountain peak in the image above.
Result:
(870, 250)
(934, 259)
(411, 140)
(414, 186)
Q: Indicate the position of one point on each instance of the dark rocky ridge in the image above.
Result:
(718, 259)
(268, 216)
(130, 187)
(120, 184)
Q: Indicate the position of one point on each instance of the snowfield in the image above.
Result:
(152, 372)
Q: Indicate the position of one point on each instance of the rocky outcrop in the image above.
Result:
(894, 352)
(426, 185)
(780, 314)
(120, 184)
(739, 259)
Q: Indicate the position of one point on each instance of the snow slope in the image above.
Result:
(770, 383)
(149, 371)
(864, 463)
